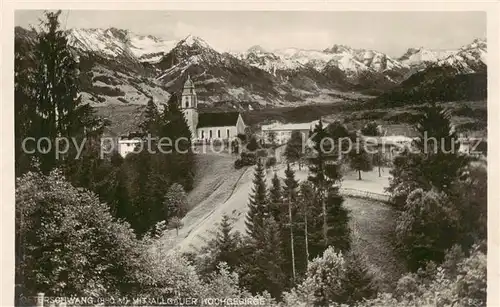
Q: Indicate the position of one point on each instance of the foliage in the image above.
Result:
(462, 283)
(175, 201)
(427, 227)
(323, 283)
(371, 129)
(359, 159)
(258, 205)
(263, 266)
(225, 246)
(294, 151)
(252, 145)
(47, 98)
(151, 119)
(68, 243)
(247, 159)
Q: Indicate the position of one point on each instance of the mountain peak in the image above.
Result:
(192, 40)
(337, 48)
(256, 49)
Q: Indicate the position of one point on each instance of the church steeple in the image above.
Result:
(189, 105)
(189, 97)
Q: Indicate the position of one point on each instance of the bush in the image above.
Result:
(261, 153)
(71, 244)
(247, 159)
(238, 164)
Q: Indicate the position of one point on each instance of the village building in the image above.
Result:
(279, 134)
(127, 143)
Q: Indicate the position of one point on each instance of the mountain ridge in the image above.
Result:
(123, 67)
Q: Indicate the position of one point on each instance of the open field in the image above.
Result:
(219, 189)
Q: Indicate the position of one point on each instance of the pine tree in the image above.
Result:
(306, 201)
(438, 144)
(150, 122)
(224, 247)
(59, 110)
(276, 198)
(290, 195)
(357, 283)
(318, 175)
(24, 107)
(339, 233)
(294, 149)
(178, 162)
(258, 205)
(263, 271)
(359, 159)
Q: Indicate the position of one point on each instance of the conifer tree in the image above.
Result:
(55, 88)
(339, 232)
(357, 283)
(264, 269)
(294, 149)
(276, 198)
(359, 159)
(179, 160)
(306, 202)
(24, 107)
(225, 246)
(151, 117)
(438, 143)
(318, 170)
(258, 205)
(290, 194)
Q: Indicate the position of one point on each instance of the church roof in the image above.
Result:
(218, 119)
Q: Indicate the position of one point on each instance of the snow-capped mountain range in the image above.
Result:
(257, 76)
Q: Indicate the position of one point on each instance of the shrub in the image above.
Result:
(238, 164)
(261, 153)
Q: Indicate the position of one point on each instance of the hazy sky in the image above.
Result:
(389, 32)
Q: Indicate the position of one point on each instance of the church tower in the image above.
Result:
(189, 106)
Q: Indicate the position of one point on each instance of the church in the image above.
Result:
(206, 127)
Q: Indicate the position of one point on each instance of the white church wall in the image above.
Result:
(222, 132)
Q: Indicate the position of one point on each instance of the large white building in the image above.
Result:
(281, 133)
(208, 126)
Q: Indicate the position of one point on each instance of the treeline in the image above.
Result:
(435, 84)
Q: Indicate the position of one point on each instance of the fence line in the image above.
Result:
(364, 194)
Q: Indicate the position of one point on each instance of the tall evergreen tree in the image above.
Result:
(263, 271)
(291, 198)
(24, 107)
(306, 204)
(276, 198)
(225, 246)
(438, 143)
(319, 175)
(179, 162)
(258, 204)
(294, 148)
(151, 118)
(54, 87)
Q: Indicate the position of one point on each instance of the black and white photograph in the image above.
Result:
(250, 157)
